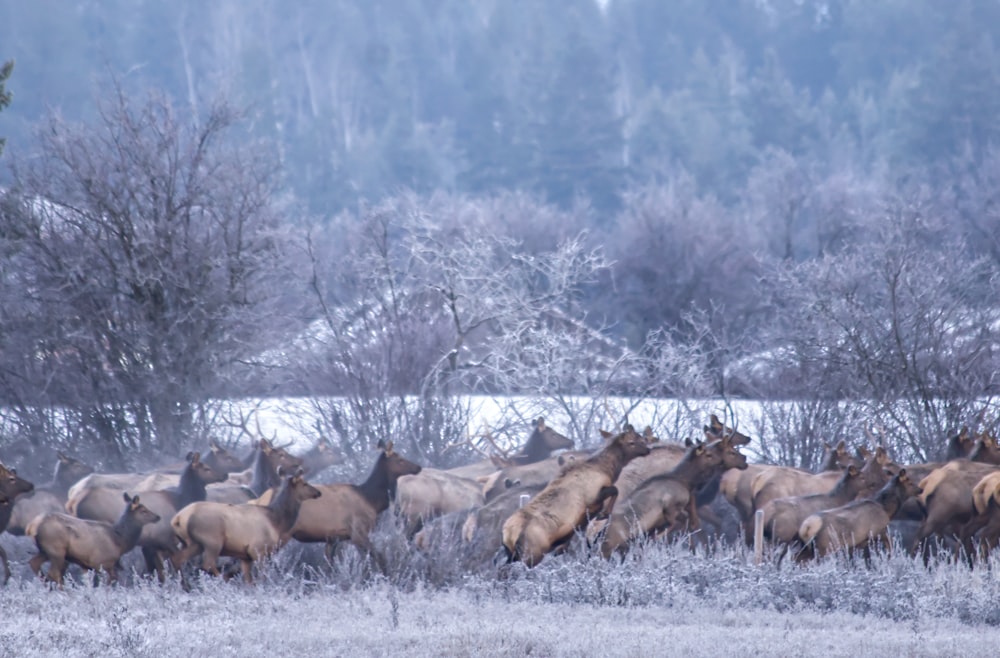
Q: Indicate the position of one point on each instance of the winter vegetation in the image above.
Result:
(417, 247)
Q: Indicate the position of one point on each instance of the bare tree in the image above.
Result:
(897, 327)
(150, 270)
(421, 307)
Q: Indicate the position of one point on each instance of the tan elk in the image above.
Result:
(248, 533)
(949, 508)
(784, 516)
(348, 512)
(668, 502)
(62, 540)
(857, 524)
(539, 473)
(432, 493)
(157, 540)
(543, 441)
(11, 487)
(567, 503)
(783, 482)
(50, 497)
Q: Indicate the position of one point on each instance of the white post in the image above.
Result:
(758, 536)
(524, 499)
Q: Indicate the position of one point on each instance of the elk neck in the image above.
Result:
(379, 489)
(191, 488)
(284, 508)
(264, 474)
(127, 530)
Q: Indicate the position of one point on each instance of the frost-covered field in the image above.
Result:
(662, 600)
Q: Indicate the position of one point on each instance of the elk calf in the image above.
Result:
(63, 539)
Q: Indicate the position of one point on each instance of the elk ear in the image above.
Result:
(380, 445)
(688, 442)
(188, 457)
(63, 458)
(128, 499)
(852, 470)
(605, 434)
(699, 449)
(301, 472)
(510, 484)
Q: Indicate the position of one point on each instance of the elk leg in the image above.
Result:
(57, 567)
(154, 562)
(36, 563)
(329, 549)
(210, 560)
(6, 566)
(246, 566)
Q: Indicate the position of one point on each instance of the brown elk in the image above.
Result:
(157, 539)
(11, 487)
(986, 499)
(62, 540)
(248, 533)
(784, 516)
(432, 493)
(49, 497)
(668, 502)
(488, 520)
(348, 512)
(566, 504)
(947, 500)
(857, 524)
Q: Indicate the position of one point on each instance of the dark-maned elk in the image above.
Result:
(248, 533)
(11, 487)
(540, 445)
(950, 511)
(432, 493)
(857, 524)
(348, 512)
(62, 540)
(49, 497)
(157, 539)
(262, 475)
(319, 457)
(668, 502)
(985, 450)
(784, 516)
(567, 503)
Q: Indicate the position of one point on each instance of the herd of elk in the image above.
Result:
(526, 505)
